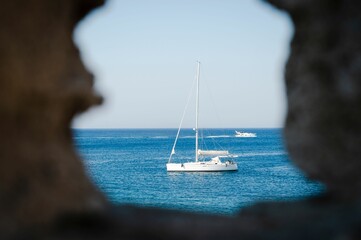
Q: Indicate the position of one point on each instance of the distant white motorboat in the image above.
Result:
(245, 134)
(201, 164)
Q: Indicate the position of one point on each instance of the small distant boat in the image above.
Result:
(200, 164)
(244, 134)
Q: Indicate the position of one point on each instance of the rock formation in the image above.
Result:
(323, 79)
(43, 84)
(46, 194)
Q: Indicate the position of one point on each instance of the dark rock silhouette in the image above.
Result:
(43, 84)
(323, 126)
(45, 193)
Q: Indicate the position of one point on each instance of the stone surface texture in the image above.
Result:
(43, 84)
(323, 79)
(45, 192)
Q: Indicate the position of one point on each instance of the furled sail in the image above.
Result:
(212, 152)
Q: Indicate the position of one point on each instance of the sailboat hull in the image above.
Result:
(201, 167)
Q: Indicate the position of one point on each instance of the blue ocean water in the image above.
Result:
(129, 166)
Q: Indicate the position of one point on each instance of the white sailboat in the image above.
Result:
(200, 164)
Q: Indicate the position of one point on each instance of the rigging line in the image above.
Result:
(216, 112)
(214, 142)
(181, 122)
(210, 94)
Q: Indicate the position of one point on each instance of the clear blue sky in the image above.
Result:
(143, 54)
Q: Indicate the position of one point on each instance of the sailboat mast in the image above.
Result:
(197, 108)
